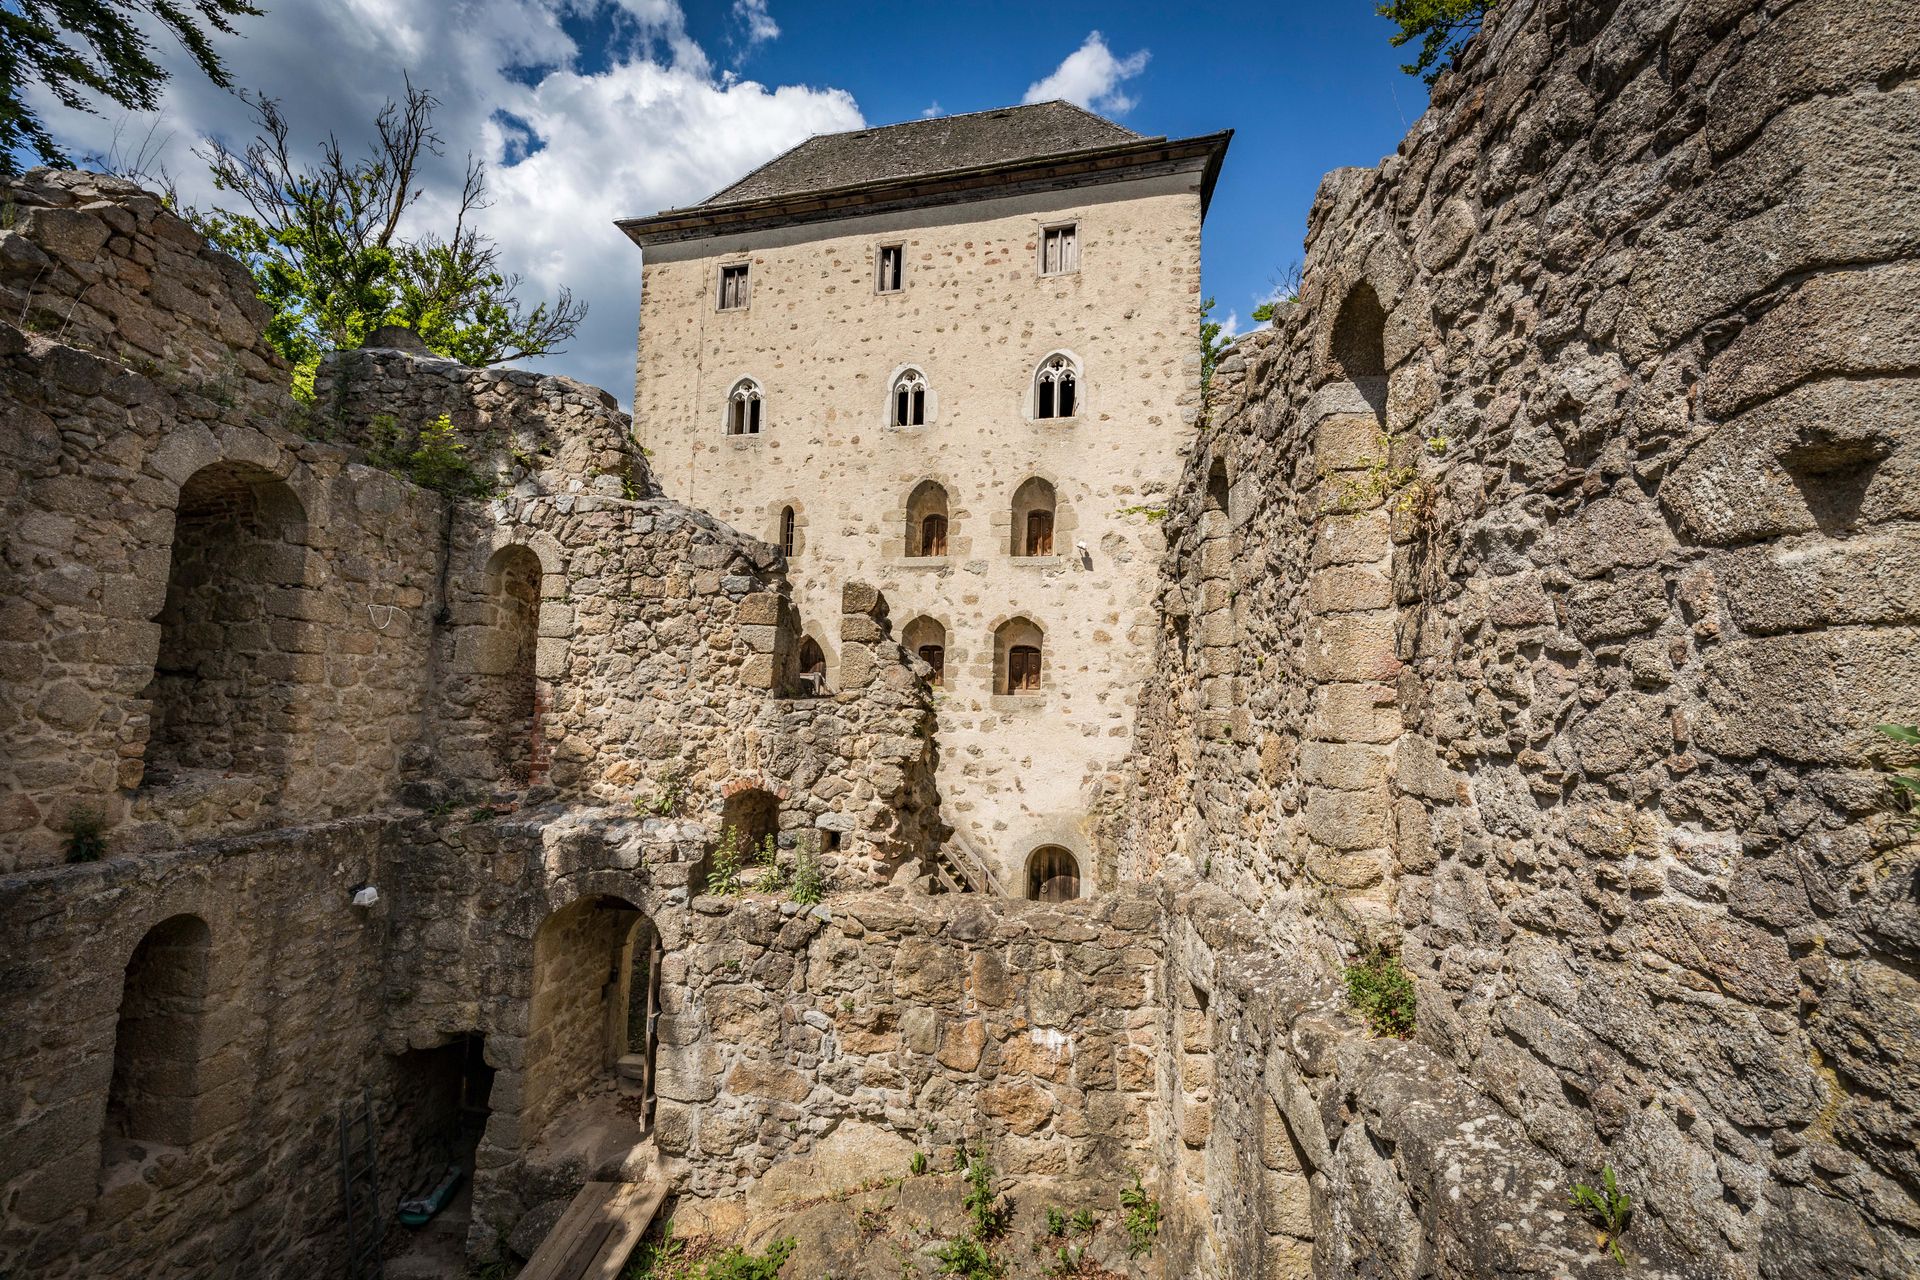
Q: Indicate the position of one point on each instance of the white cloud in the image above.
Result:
(931, 110)
(1230, 327)
(753, 15)
(654, 128)
(1092, 77)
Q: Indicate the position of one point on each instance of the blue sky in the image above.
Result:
(593, 109)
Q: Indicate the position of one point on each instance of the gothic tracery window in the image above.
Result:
(743, 408)
(910, 399)
(1056, 387)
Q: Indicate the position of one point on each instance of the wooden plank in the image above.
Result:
(634, 1212)
(597, 1232)
(579, 1218)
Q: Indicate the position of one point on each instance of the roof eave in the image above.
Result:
(1102, 164)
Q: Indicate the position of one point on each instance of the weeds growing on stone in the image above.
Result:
(970, 1257)
(666, 799)
(809, 884)
(723, 869)
(1139, 1217)
(1381, 991)
(918, 1165)
(1609, 1209)
(434, 457)
(1906, 784)
(666, 1259)
(86, 829)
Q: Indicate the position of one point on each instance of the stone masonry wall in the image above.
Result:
(1573, 494)
(286, 1033)
(97, 263)
(332, 651)
(1024, 1029)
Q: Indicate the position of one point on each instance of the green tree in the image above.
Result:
(1212, 345)
(327, 251)
(78, 49)
(1442, 27)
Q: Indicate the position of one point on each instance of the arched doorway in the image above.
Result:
(581, 1037)
(1053, 874)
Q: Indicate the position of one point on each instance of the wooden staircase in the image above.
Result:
(959, 868)
(597, 1232)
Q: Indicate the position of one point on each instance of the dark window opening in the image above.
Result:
(1023, 669)
(935, 656)
(1358, 346)
(891, 257)
(233, 619)
(910, 399)
(733, 287)
(1055, 388)
(743, 408)
(933, 536)
(786, 531)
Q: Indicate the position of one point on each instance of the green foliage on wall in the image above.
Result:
(1442, 27)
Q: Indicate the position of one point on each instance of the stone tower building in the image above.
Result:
(954, 358)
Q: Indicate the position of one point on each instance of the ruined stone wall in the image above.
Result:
(523, 433)
(1536, 621)
(878, 1024)
(219, 618)
(314, 635)
(97, 263)
(247, 1173)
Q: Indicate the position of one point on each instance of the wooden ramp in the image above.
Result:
(597, 1232)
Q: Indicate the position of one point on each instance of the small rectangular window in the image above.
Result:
(1060, 250)
(891, 256)
(733, 287)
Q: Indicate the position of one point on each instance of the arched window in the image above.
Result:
(743, 408)
(926, 640)
(156, 1047)
(1056, 387)
(910, 399)
(231, 625)
(1053, 875)
(813, 666)
(501, 652)
(927, 520)
(1033, 504)
(1358, 346)
(1017, 647)
(787, 524)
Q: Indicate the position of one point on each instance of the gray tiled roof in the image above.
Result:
(920, 148)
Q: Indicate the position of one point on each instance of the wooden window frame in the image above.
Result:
(898, 283)
(938, 662)
(729, 272)
(933, 542)
(1023, 669)
(1068, 235)
(1043, 545)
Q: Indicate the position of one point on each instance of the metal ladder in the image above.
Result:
(360, 1188)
